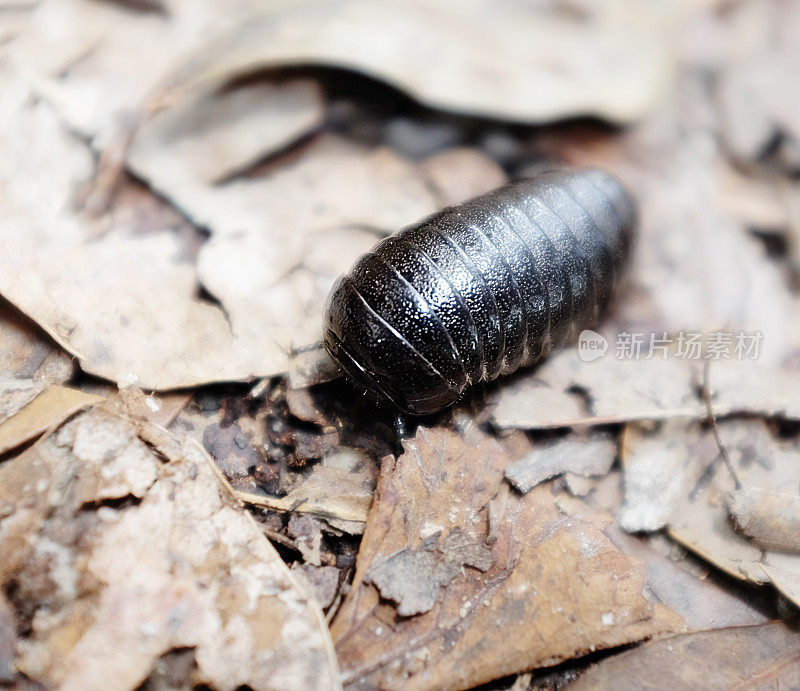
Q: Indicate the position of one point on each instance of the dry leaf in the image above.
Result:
(329, 184)
(701, 520)
(524, 63)
(702, 602)
(321, 582)
(127, 306)
(29, 362)
(754, 104)
(567, 392)
(413, 577)
(581, 456)
(770, 518)
(48, 409)
(212, 136)
(461, 173)
(555, 587)
(113, 589)
(661, 467)
(764, 656)
(784, 572)
(91, 57)
(27, 353)
(328, 492)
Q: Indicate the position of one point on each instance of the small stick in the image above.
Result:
(723, 450)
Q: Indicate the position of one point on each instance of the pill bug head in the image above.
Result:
(378, 358)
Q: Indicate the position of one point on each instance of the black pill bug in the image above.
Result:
(480, 289)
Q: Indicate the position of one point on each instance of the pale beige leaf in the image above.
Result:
(461, 173)
(48, 409)
(211, 136)
(581, 456)
(769, 517)
(660, 468)
(527, 63)
(328, 492)
(644, 389)
(127, 306)
(784, 572)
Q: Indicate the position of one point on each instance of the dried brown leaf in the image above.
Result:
(765, 656)
(556, 588)
(327, 492)
(703, 603)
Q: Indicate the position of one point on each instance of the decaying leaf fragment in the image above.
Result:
(112, 589)
(29, 363)
(555, 586)
(764, 656)
(413, 577)
(26, 352)
(771, 518)
(581, 456)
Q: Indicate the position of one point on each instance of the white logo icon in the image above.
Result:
(591, 345)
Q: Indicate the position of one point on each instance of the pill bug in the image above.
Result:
(480, 289)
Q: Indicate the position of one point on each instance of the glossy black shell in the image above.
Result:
(481, 289)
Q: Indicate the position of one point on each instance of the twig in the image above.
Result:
(723, 450)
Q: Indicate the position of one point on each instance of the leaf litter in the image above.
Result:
(554, 587)
(149, 570)
(485, 551)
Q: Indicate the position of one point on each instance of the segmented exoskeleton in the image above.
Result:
(481, 289)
